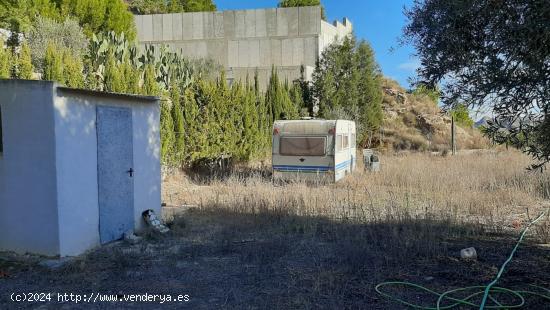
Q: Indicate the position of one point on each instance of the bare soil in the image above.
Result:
(232, 261)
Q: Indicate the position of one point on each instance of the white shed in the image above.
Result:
(77, 167)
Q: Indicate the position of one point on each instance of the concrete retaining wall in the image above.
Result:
(248, 40)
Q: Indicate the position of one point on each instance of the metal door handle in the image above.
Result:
(130, 172)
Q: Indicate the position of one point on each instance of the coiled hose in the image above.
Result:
(489, 292)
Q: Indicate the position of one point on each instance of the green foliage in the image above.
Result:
(432, 93)
(72, 70)
(278, 102)
(150, 84)
(100, 16)
(66, 35)
(167, 136)
(5, 61)
(489, 54)
(179, 123)
(53, 64)
(20, 15)
(24, 62)
(95, 16)
(462, 116)
(170, 6)
(297, 3)
(114, 76)
(347, 84)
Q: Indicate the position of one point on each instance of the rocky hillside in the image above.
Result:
(415, 122)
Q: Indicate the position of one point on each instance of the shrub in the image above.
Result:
(24, 62)
(66, 35)
(5, 56)
(53, 64)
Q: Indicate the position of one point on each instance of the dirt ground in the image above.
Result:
(242, 246)
(234, 261)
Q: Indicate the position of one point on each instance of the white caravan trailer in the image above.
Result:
(316, 150)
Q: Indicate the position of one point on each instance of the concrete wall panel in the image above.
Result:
(309, 19)
(157, 27)
(217, 50)
(232, 54)
(177, 27)
(147, 30)
(229, 24)
(208, 25)
(271, 22)
(276, 52)
(265, 53)
(250, 23)
(240, 24)
(293, 22)
(244, 55)
(138, 19)
(310, 51)
(261, 30)
(198, 25)
(187, 25)
(218, 25)
(282, 22)
(298, 51)
(287, 52)
(254, 53)
(167, 27)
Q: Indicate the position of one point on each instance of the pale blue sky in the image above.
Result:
(380, 22)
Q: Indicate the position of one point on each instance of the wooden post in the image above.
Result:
(453, 140)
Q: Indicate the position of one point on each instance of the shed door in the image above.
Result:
(115, 172)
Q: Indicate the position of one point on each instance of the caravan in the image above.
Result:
(314, 150)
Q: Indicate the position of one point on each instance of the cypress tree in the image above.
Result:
(179, 126)
(4, 61)
(150, 85)
(24, 62)
(53, 67)
(166, 133)
(72, 70)
(114, 80)
(193, 121)
(131, 77)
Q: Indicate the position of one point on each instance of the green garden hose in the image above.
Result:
(489, 292)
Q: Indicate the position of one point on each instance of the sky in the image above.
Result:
(380, 22)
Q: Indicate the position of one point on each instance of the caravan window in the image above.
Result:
(302, 146)
(345, 142)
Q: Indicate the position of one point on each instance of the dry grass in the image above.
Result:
(491, 188)
(308, 246)
(251, 244)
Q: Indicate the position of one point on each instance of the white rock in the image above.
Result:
(468, 253)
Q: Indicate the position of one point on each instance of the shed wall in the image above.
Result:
(77, 165)
(29, 221)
